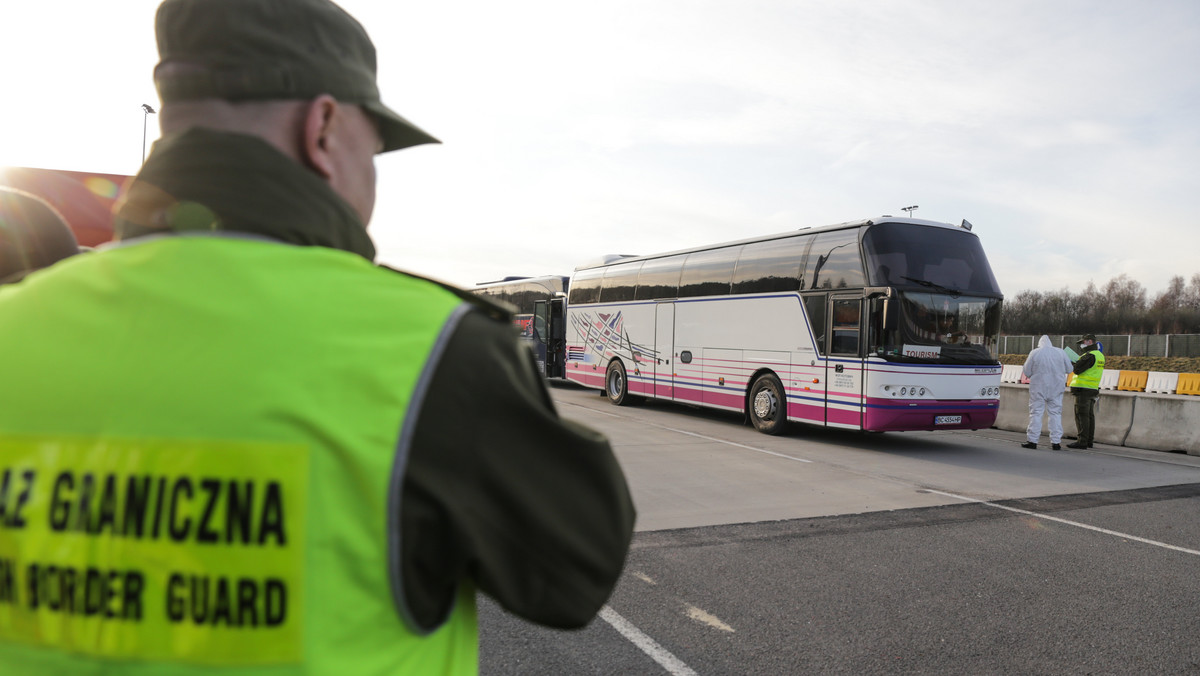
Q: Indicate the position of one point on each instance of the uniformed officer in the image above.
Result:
(232, 441)
(1085, 385)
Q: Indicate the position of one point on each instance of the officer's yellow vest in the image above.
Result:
(1090, 379)
(201, 445)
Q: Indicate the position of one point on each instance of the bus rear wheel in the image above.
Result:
(616, 385)
(768, 405)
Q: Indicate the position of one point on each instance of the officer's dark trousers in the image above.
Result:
(1085, 413)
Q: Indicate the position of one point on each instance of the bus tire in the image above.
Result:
(767, 405)
(616, 384)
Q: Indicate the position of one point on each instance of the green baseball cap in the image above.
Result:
(247, 50)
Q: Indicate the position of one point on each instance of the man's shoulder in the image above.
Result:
(501, 312)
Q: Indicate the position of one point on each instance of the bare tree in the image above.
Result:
(1121, 307)
(1126, 305)
(1167, 307)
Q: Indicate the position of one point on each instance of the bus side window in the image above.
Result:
(619, 282)
(659, 278)
(815, 307)
(771, 266)
(708, 273)
(834, 262)
(585, 286)
(846, 326)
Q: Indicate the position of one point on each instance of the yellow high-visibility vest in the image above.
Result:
(202, 442)
(1090, 379)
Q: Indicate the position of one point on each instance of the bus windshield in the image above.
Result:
(938, 258)
(939, 328)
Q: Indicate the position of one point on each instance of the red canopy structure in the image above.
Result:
(84, 199)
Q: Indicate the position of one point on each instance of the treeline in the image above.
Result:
(1120, 306)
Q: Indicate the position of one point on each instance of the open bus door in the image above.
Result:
(550, 333)
(844, 367)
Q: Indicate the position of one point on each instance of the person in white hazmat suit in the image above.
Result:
(1047, 368)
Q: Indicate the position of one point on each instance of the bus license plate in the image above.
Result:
(947, 420)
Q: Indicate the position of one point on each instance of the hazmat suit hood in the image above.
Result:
(1047, 368)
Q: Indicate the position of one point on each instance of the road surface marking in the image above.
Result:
(693, 434)
(707, 618)
(659, 654)
(730, 443)
(1106, 531)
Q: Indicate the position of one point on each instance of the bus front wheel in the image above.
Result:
(616, 385)
(768, 405)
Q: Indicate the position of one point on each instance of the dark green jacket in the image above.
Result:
(499, 490)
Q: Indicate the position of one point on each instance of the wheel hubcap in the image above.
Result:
(616, 384)
(765, 404)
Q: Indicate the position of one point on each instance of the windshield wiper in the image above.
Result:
(944, 289)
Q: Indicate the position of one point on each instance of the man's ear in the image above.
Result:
(320, 119)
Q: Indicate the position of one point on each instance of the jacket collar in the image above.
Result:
(206, 180)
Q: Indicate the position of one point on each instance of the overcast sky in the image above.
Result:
(1067, 132)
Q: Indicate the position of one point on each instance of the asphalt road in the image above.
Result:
(836, 552)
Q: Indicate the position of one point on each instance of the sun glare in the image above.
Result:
(101, 187)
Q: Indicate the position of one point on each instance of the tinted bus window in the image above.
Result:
(898, 253)
(708, 273)
(834, 261)
(845, 326)
(585, 286)
(767, 267)
(659, 278)
(520, 295)
(619, 282)
(523, 292)
(814, 306)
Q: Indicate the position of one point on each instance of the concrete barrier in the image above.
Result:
(1014, 408)
(1011, 373)
(1114, 416)
(1160, 422)
(1164, 423)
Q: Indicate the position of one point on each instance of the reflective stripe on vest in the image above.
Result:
(197, 463)
(1090, 379)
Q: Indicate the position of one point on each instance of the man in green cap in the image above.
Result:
(232, 441)
(1085, 386)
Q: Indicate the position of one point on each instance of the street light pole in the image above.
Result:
(909, 209)
(146, 112)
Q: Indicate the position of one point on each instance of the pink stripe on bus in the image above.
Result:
(840, 417)
(810, 412)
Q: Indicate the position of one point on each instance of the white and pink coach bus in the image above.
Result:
(882, 324)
